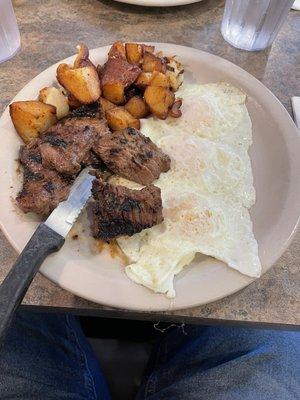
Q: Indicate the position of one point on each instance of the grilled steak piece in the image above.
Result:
(121, 211)
(93, 160)
(62, 149)
(132, 155)
(67, 144)
(30, 156)
(42, 192)
(43, 189)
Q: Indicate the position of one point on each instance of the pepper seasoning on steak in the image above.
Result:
(51, 161)
(43, 189)
(65, 145)
(92, 115)
(132, 155)
(119, 211)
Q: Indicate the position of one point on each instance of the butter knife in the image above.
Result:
(48, 238)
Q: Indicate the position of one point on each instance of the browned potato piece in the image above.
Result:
(159, 100)
(105, 104)
(175, 111)
(159, 79)
(155, 78)
(55, 97)
(83, 83)
(117, 50)
(134, 53)
(114, 92)
(82, 59)
(143, 80)
(137, 107)
(31, 118)
(152, 63)
(118, 118)
(116, 75)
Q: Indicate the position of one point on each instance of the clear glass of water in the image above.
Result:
(9, 32)
(253, 24)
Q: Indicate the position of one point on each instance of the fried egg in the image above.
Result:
(211, 168)
(193, 223)
(213, 111)
(206, 193)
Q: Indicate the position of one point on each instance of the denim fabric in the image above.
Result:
(224, 363)
(46, 356)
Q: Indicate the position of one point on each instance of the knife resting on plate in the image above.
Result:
(48, 238)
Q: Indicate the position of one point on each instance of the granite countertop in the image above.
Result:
(50, 31)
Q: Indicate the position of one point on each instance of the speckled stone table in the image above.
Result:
(50, 31)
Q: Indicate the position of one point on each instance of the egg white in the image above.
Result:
(193, 223)
(213, 111)
(211, 168)
(206, 193)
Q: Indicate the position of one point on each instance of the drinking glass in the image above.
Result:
(253, 24)
(9, 32)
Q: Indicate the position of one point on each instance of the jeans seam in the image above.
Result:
(85, 363)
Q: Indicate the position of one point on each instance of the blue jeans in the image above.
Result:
(46, 356)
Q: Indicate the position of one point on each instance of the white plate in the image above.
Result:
(158, 3)
(275, 156)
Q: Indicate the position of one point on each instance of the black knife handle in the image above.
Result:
(12, 290)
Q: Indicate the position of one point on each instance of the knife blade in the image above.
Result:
(49, 237)
(65, 214)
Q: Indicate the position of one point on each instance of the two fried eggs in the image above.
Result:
(206, 194)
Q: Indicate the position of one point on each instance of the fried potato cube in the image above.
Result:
(55, 97)
(83, 83)
(134, 53)
(118, 118)
(106, 104)
(137, 107)
(154, 78)
(159, 79)
(31, 118)
(160, 100)
(143, 80)
(152, 63)
(114, 92)
(117, 50)
(116, 75)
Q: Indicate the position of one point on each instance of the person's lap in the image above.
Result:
(220, 363)
(46, 356)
